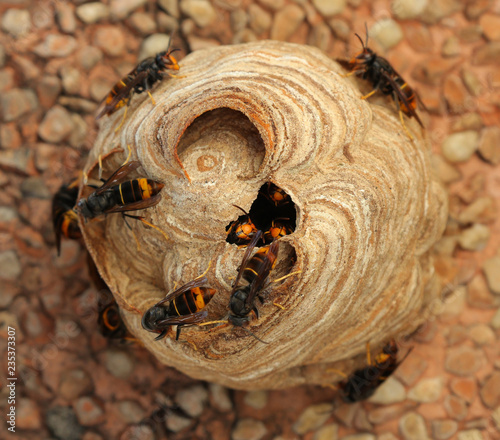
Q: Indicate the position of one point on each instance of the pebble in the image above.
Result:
(451, 47)
(411, 369)
(17, 102)
(138, 432)
(489, 145)
(91, 436)
(192, 400)
(444, 170)
(312, 418)
(474, 238)
(220, 397)
(487, 54)
(119, 363)
(171, 7)
(495, 321)
(387, 33)
(93, 12)
(439, 9)
(48, 89)
(256, 399)
(482, 334)
(465, 388)
(143, 23)
(472, 82)
(121, 9)
(419, 37)
(75, 383)
(490, 25)
(56, 126)
(340, 28)
(459, 147)
(111, 40)
(490, 390)
(470, 34)
(359, 437)
(71, 79)
(455, 94)
(239, 20)
(166, 23)
(470, 121)
(492, 273)
(463, 360)
(153, 44)
(407, 9)
(475, 9)
(17, 159)
(201, 11)
(260, 19)
(28, 414)
(496, 418)
(10, 264)
(131, 411)
(65, 16)
(16, 22)
(80, 131)
(7, 214)
(9, 136)
(327, 8)
(427, 390)
(78, 105)
(88, 411)
(56, 45)
(481, 210)
(34, 187)
(327, 432)
(249, 429)
(412, 427)
(63, 424)
(387, 436)
(176, 422)
(88, 57)
(286, 22)
(471, 434)
(455, 407)
(391, 391)
(274, 5)
(433, 70)
(443, 429)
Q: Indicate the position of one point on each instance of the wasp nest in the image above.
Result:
(368, 211)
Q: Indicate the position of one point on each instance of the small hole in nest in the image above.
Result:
(272, 212)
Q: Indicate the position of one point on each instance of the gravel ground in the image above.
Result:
(59, 58)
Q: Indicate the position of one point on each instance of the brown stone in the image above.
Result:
(419, 37)
(465, 388)
(470, 34)
(482, 210)
(432, 70)
(490, 23)
(443, 429)
(9, 136)
(286, 22)
(463, 361)
(490, 390)
(111, 40)
(489, 145)
(474, 9)
(491, 269)
(455, 94)
(436, 10)
(455, 407)
(48, 89)
(56, 126)
(383, 414)
(487, 54)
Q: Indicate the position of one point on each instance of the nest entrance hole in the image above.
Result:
(273, 212)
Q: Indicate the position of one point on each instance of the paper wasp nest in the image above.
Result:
(368, 212)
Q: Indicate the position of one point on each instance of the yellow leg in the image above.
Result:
(212, 322)
(151, 96)
(347, 75)
(136, 240)
(204, 273)
(340, 373)
(128, 156)
(329, 385)
(123, 119)
(368, 355)
(404, 125)
(155, 227)
(369, 94)
(100, 167)
(275, 303)
(176, 76)
(286, 276)
(85, 177)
